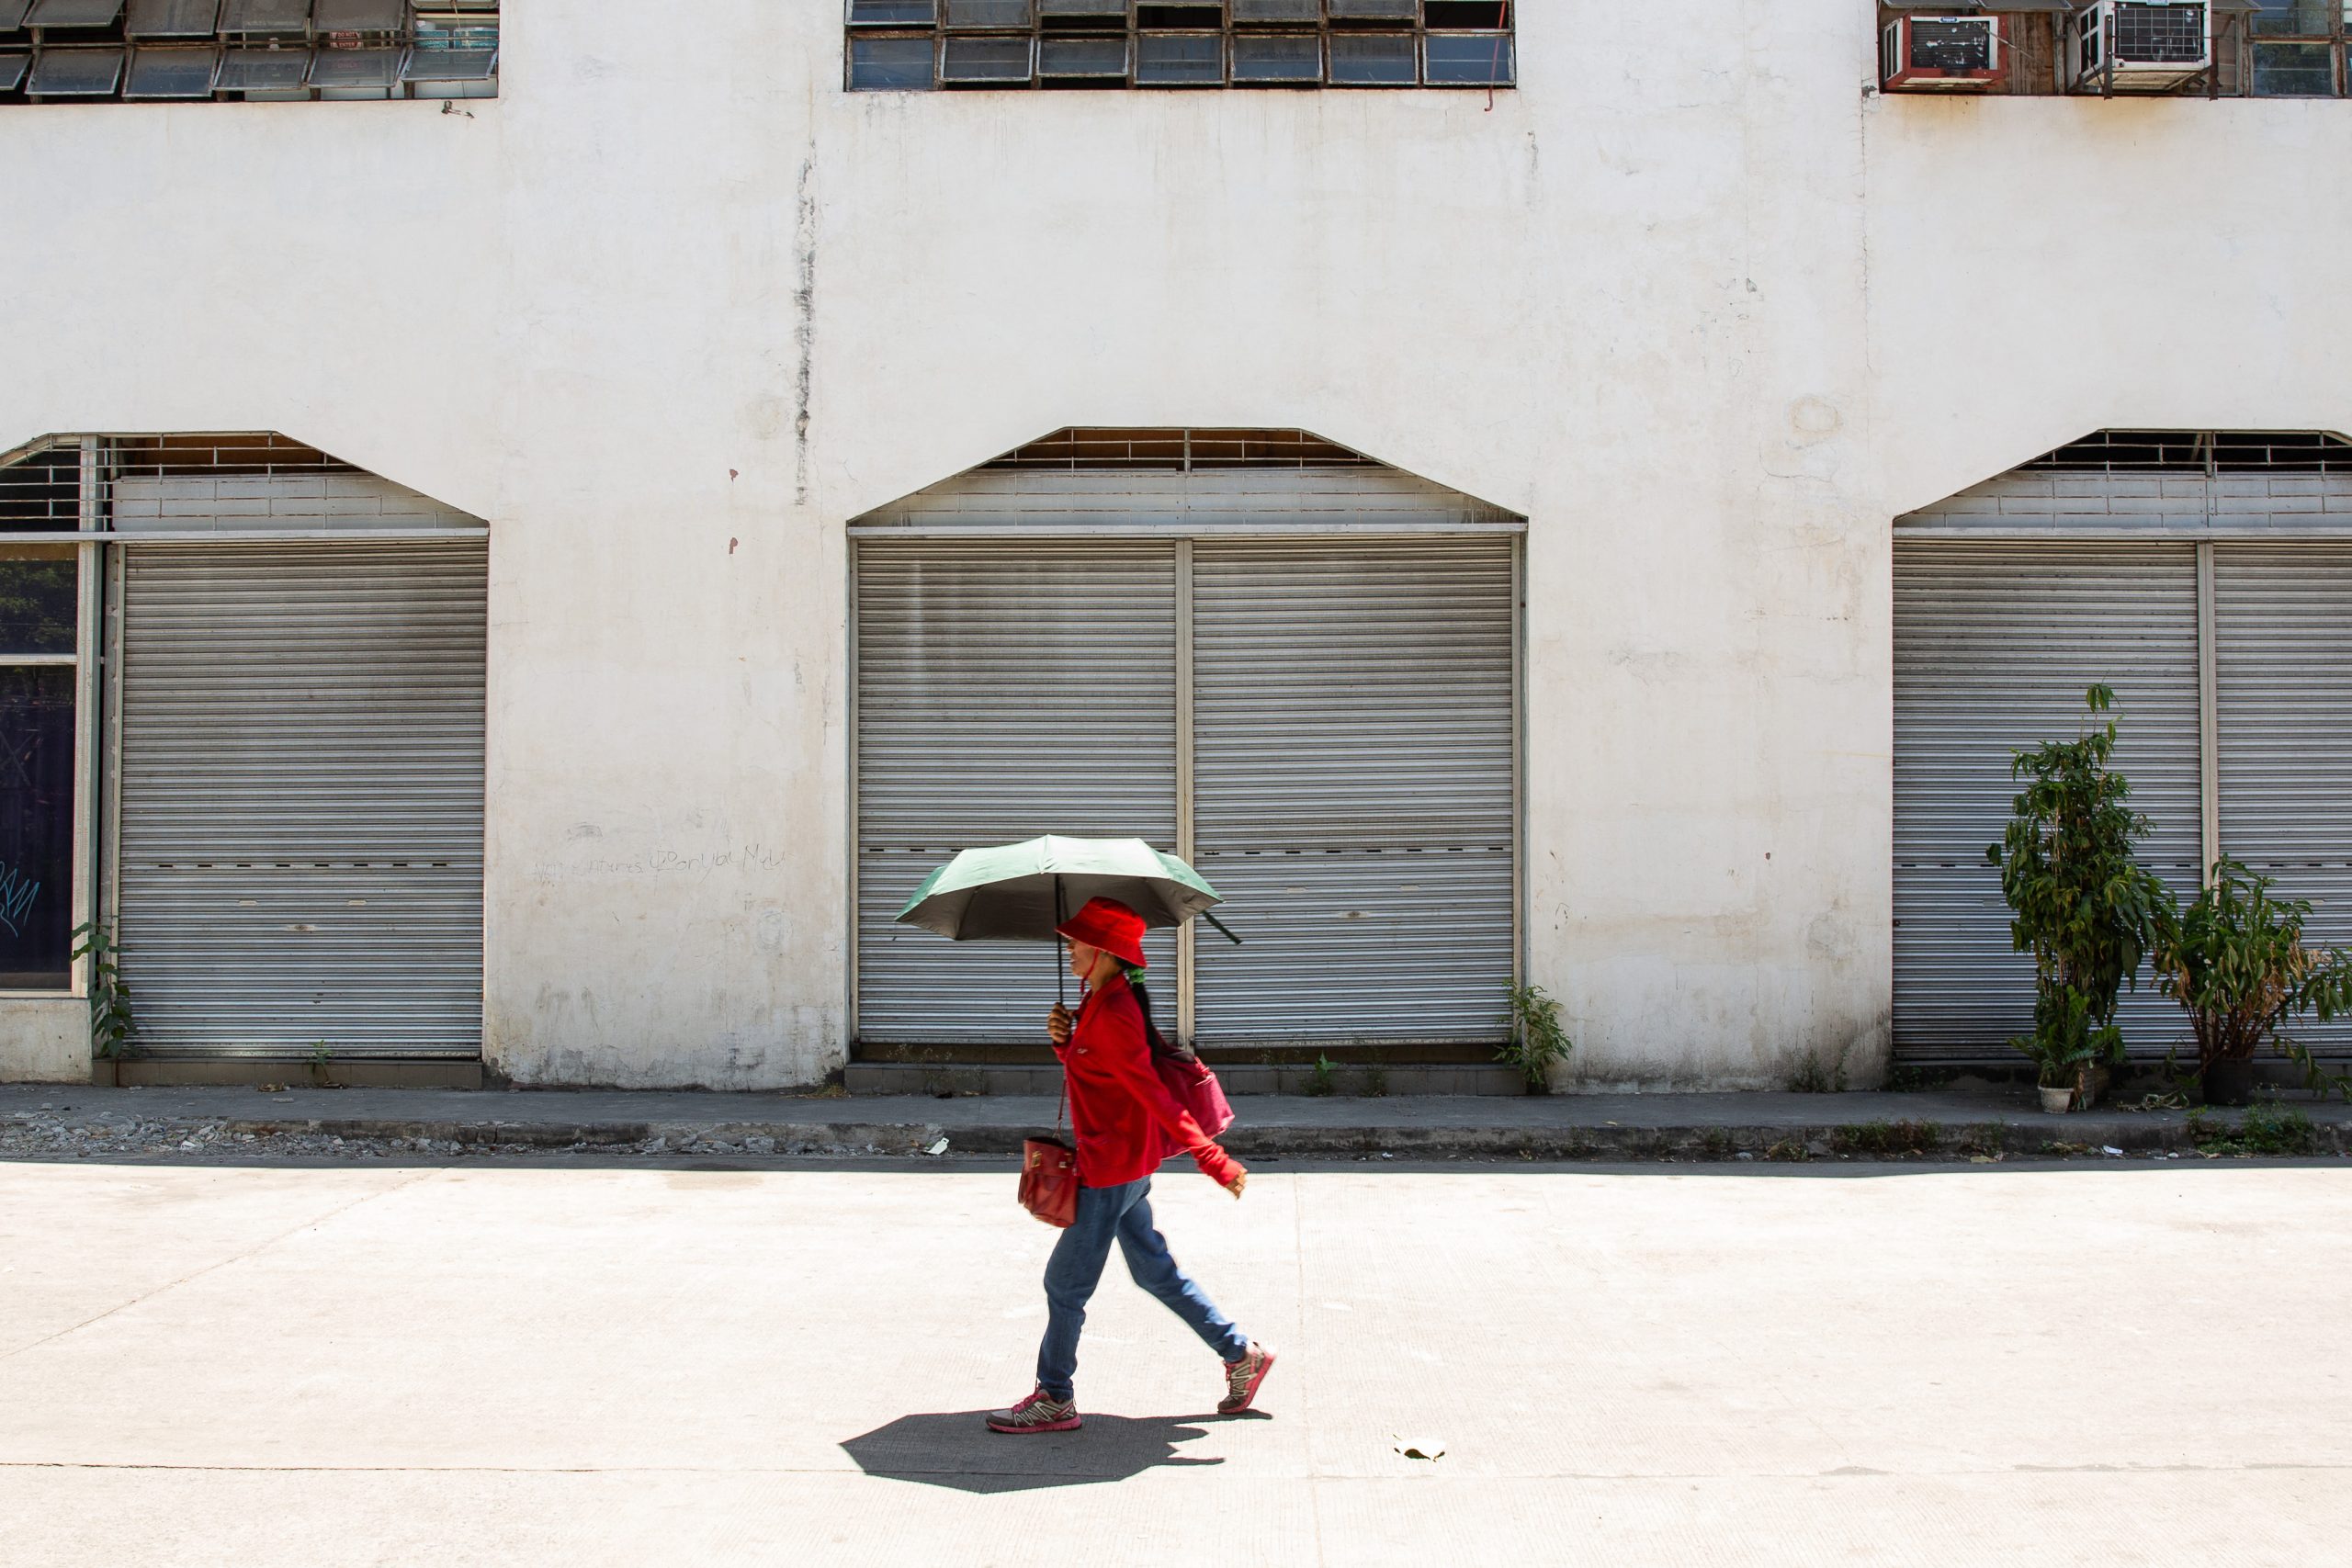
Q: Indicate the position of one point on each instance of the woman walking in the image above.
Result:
(1126, 1122)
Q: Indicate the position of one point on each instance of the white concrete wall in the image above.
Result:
(44, 1040)
(676, 306)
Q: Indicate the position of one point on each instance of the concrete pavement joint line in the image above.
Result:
(259, 1246)
(1298, 1247)
(1641, 1477)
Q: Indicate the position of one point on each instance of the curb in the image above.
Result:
(1984, 1140)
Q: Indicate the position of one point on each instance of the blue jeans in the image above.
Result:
(1076, 1268)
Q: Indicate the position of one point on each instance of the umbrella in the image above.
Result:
(1023, 891)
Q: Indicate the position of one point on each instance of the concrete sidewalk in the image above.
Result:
(39, 1120)
(464, 1364)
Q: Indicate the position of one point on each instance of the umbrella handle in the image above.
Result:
(1221, 926)
(1061, 970)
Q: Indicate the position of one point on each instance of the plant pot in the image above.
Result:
(2091, 1086)
(2229, 1080)
(2057, 1101)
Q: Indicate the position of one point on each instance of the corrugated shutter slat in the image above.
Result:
(301, 776)
(2282, 620)
(1005, 690)
(1994, 646)
(1352, 723)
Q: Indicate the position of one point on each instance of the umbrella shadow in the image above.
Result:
(955, 1449)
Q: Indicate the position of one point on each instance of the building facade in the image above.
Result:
(520, 554)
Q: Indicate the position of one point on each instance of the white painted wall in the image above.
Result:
(44, 1040)
(675, 307)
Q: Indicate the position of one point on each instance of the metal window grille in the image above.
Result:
(2160, 34)
(231, 51)
(132, 485)
(1180, 451)
(2201, 452)
(920, 45)
(1940, 43)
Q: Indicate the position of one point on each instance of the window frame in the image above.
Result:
(438, 48)
(85, 662)
(1140, 22)
(2252, 41)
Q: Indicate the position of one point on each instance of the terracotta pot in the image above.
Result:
(2229, 1080)
(2057, 1100)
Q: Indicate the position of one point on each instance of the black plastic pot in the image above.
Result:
(2229, 1081)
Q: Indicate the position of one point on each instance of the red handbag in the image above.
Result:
(1049, 1176)
(1049, 1180)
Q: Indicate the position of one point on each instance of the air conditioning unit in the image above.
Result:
(2139, 46)
(1941, 53)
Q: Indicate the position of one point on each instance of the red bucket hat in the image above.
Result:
(1110, 925)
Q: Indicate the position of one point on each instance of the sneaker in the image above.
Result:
(1037, 1413)
(1242, 1378)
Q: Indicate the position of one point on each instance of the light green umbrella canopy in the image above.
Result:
(1023, 891)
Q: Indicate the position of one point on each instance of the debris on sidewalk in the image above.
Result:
(69, 1131)
(1388, 1135)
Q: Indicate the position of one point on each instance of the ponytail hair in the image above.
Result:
(1159, 1043)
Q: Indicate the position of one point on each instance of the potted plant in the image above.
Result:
(2236, 959)
(2071, 1050)
(2078, 902)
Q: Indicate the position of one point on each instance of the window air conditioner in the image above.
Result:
(2139, 46)
(1941, 53)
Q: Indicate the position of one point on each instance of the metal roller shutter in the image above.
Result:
(300, 775)
(1005, 690)
(2283, 621)
(1994, 646)
(1354, 726)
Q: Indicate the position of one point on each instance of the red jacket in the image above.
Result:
(1124, 1116)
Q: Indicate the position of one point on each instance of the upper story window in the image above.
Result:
(918, 45)
(2280, 49)
(247, 51)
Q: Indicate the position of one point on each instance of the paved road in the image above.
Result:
(315, 1367)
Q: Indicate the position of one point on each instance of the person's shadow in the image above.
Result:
(954, 1449)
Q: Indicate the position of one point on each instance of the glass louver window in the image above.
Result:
(183, 51)
(916, 45)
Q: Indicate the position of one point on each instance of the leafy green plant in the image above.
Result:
(1376, 1080)
(1323, 1077)
(1792, 1150)
(2236, 959)
(2263, 1129)
(2079, 901)
(111, 1023)
(1537, 1039)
